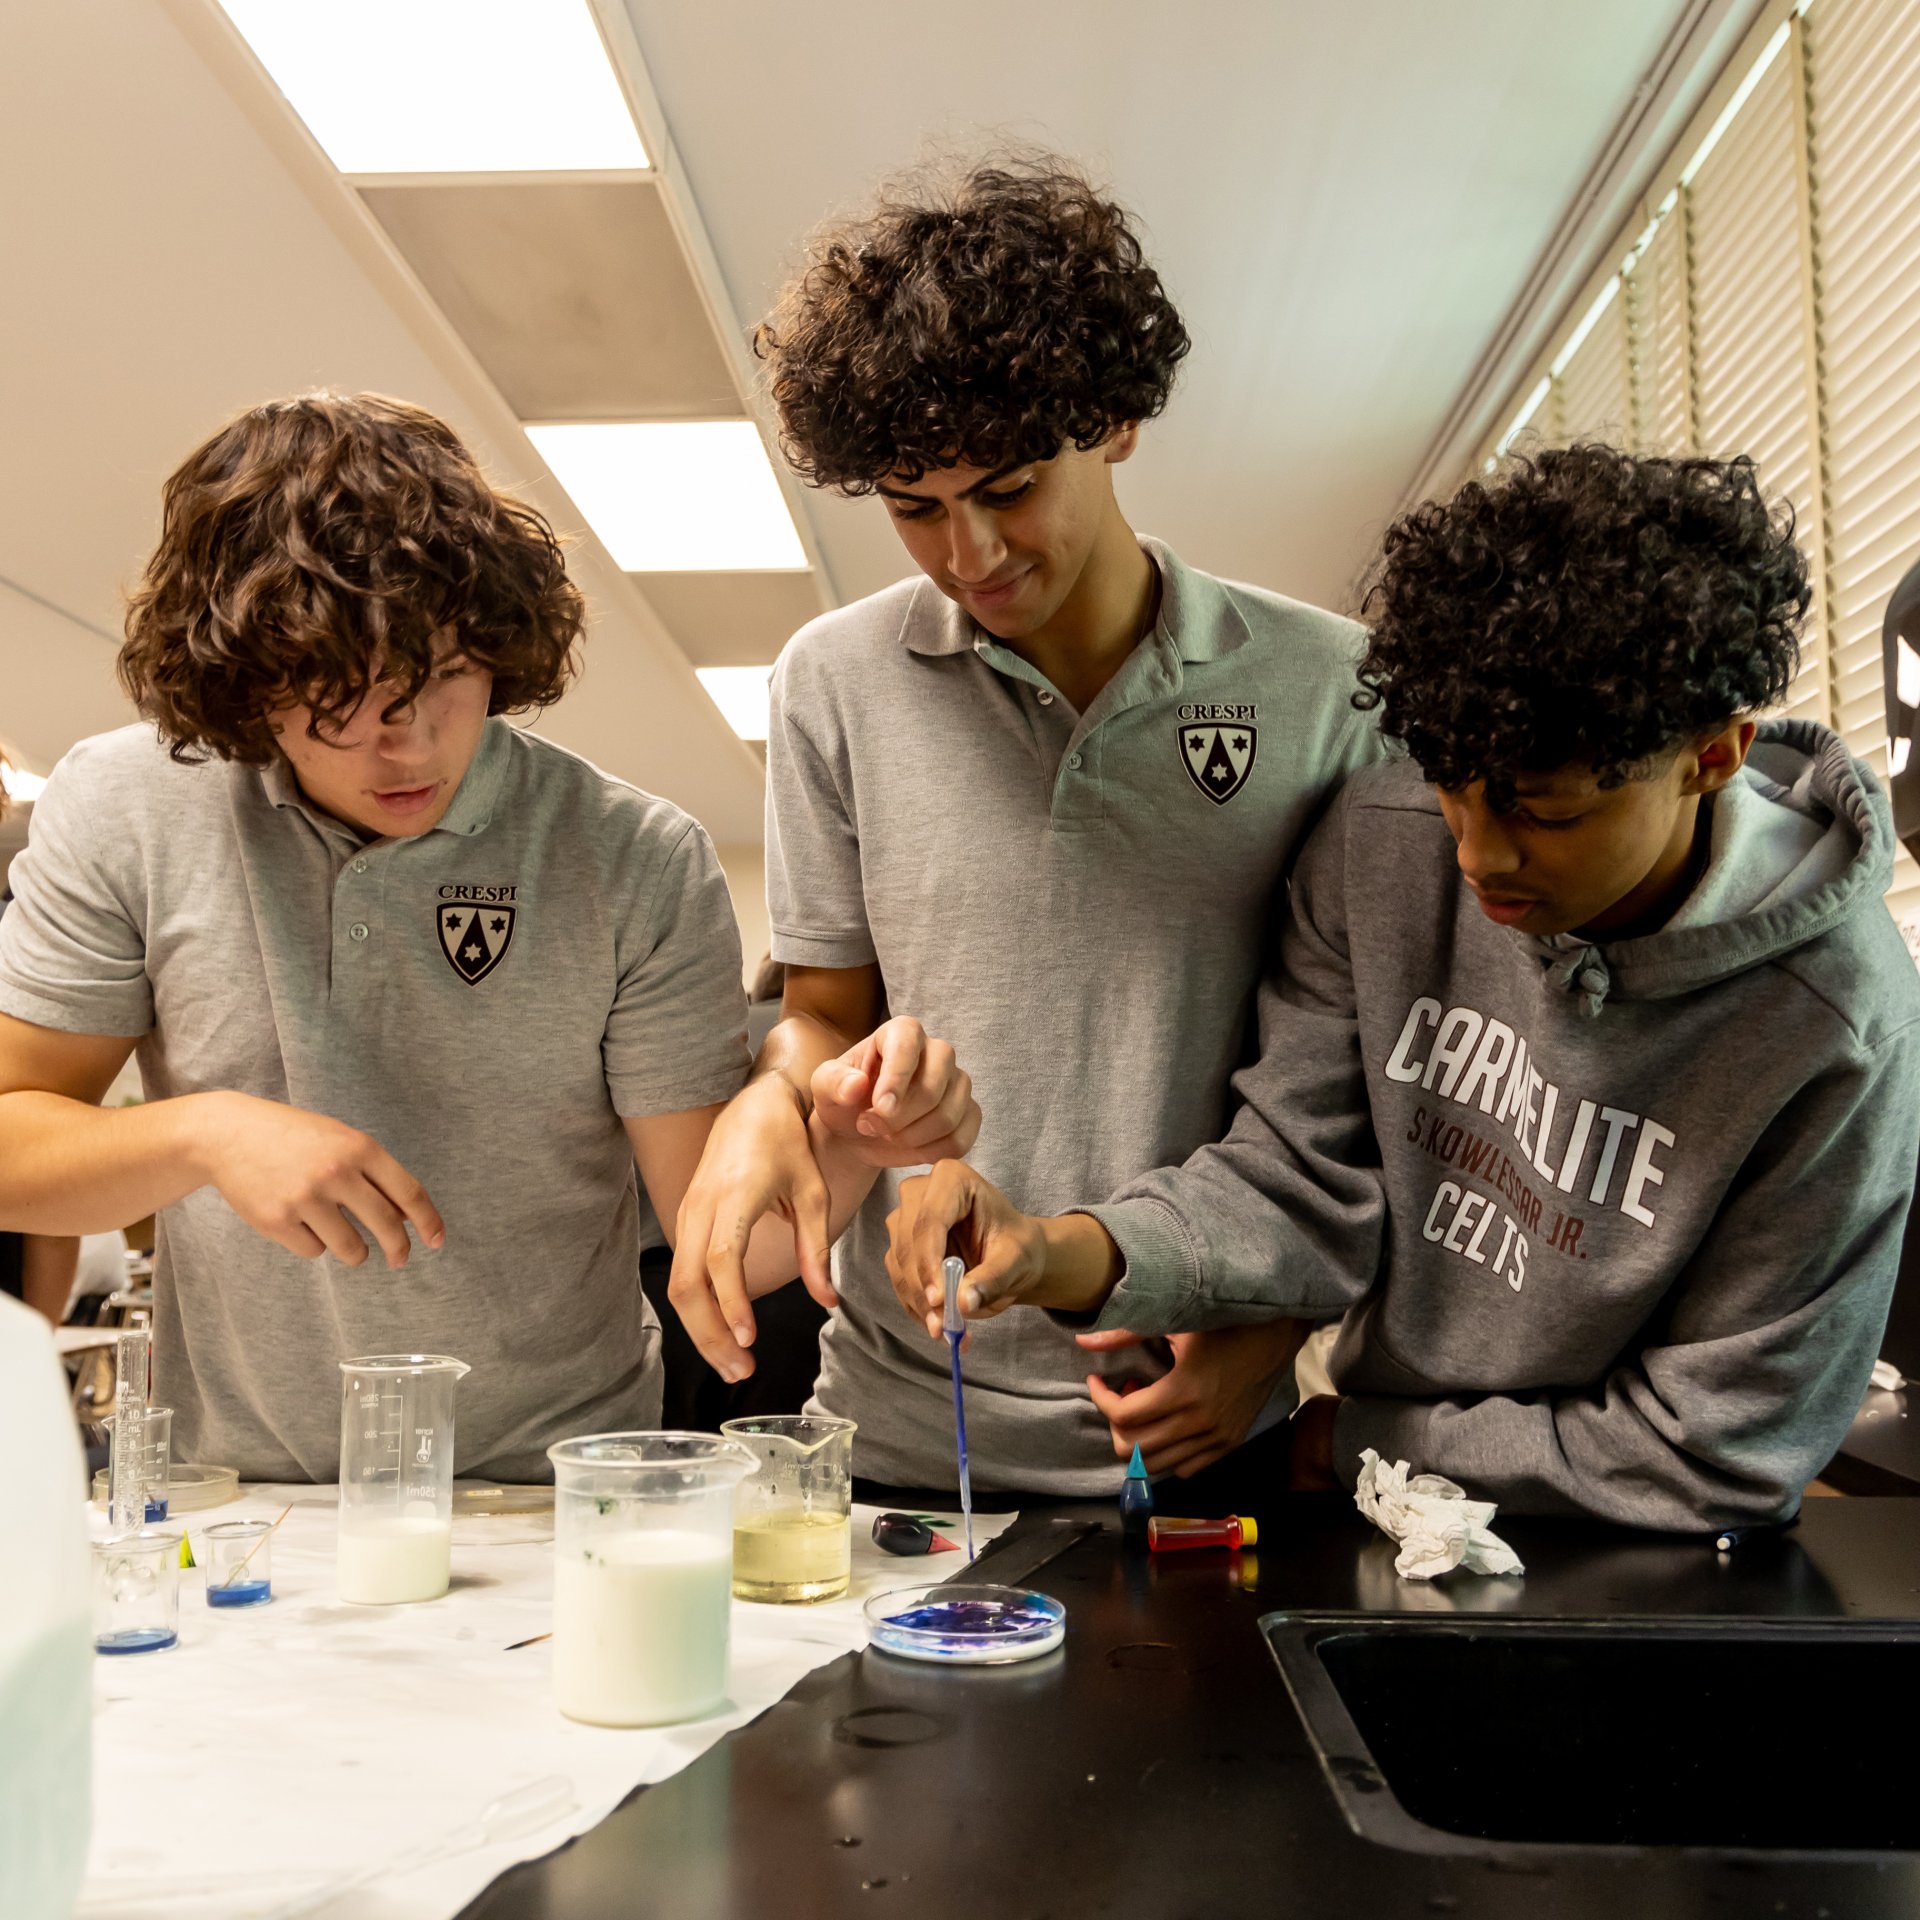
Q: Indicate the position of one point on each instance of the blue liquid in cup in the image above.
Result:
(239, 1593)
(136, 1640)
(156, 1510)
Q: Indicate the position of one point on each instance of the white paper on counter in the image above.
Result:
(278, 1747)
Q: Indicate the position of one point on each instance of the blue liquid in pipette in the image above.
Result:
(239, 1593)
(960, 1439)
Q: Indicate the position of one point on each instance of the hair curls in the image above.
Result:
(317, 542)
(985, 321)
(1587, 607)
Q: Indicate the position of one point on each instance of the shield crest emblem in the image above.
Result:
(1218, 759)
(474, 939)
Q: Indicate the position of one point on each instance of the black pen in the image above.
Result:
(1736, 1537)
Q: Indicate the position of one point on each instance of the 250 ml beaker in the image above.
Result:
(643, 1558)
(793, 1526)
(396, 1477)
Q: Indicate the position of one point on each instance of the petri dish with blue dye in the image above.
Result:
(958, 1624)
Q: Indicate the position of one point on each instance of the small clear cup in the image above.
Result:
(239, 1563)
(793, 1520)
(136, 1591)
(156, 1472)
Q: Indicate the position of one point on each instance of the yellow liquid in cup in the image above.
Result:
(790, 1553)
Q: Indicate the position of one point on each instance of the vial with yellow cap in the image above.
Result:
(1167, 1536)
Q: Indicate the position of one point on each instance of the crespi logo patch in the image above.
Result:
(475, 926)
(1218, 742)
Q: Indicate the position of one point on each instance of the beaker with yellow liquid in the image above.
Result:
(793, 1518)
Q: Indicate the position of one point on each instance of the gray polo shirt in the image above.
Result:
(486, 1000)
(1078, 902)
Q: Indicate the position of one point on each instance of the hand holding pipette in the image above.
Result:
(1011, 1258)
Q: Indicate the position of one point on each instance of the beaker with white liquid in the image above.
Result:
(643, 1567)
(396, 1477)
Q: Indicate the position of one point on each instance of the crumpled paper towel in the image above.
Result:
(1437, 1526)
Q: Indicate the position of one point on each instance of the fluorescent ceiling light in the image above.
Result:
(741, 695)
(675, 496)
(446, 86)
(22, 785)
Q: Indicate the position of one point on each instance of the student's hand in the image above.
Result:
(759, 1159)
(295, 1177)
(1201, 1409)
(899, 1098)
(1012, 1258)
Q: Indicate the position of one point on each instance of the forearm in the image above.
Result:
(1619, 1455)
(70, 1168)
(49, 1264)
(797, 1046)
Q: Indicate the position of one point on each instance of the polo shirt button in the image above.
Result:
(1073, 760)
(358, 931)
(1046, 699)
(360, 866)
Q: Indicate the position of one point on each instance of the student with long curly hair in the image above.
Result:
(1590, 1071)
(1042, 795)
(402, 978)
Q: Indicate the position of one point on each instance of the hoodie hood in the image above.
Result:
(1801, 840)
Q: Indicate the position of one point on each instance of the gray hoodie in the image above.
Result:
(1614, 1227)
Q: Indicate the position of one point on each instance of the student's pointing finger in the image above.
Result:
(692, 1299)
(901, 1041)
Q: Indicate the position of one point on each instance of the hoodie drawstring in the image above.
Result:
(1581, 969)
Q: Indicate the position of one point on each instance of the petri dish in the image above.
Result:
(192, 1488)
(957, 1624)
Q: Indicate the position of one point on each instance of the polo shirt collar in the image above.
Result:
(473, 802)
(1198, 616)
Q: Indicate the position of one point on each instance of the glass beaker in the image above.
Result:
(136, 1591)
(793, 1525)
(396, 1477)
(643, 1558)
(156, 1472)
(239, 1563)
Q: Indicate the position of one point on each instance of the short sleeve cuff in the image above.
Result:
(1160, 1284)
(1395, 1429)
(796, 947)
(116, 1017)
(637, 1095)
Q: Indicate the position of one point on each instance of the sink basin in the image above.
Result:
(1756, 1738)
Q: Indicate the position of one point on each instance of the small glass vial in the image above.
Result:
(239, 1563)
(1233, 1533)
(136, 1592)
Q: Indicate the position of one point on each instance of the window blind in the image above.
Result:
(1769, 304)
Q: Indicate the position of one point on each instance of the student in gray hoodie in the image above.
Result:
(1589, 1074)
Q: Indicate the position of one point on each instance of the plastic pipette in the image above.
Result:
(525, 1810)
(127, 1462)
(954, 1325)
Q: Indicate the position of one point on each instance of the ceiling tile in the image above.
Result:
(572, 294)
(731, 619)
